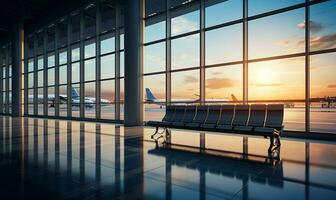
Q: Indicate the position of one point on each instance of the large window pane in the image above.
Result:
(40, 98)
(107, 45)
(75, 104)
(75, 54)
(224, 45)
(224, 83)
(281, 80)
(155, 57)
(63, 74)
(185, 52)
(323, 93)
(185, 85)
(51, 60)
(155, 30)
(30, 80)
(90, 70)
(154, 108)
(40, 78)
(40, 62)
(63, 57)
(322, 26)
(51, 106)
(276, 35)
(107, 93)
(30, 66)
(51, 76)
(183, 21)
(122, 64)
(107, 67)
(90, 50)
(260, 6)
(221, 11)
(277, 79)
(75, 74)
(63, 100)
(90, 92)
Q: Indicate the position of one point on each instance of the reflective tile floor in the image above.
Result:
(55, 159)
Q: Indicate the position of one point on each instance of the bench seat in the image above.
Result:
(243, 128)
(193, 125)
(208, 126)
(224, 127)
(178, 124)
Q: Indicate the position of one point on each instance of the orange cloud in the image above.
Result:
(219, 83)
(190, 79)
(323, 42)
(332, 86)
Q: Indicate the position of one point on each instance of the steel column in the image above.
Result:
(307, 64)
(117, 62)
(245, 51)
(81, 65)
(202, 53)
(168, 54)
(98, 59)
(134, 27)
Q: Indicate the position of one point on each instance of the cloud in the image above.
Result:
(190, 79)
(314, 26)
(323, 42)
(219, 83)
(267, 84)
(332, 86)
(181, 25)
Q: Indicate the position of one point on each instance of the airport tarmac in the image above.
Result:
(322, 119)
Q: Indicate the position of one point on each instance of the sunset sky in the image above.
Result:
(276, 35)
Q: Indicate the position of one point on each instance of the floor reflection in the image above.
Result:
(57, 159)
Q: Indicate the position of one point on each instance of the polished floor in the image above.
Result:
(55, 159)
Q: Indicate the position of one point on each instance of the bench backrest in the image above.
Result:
(227, 113)
(257, 115)
(275, 115)
(241, 115)
(213, 114)
(201, 115)
(179, 113)
(170, 111)
(189, 114)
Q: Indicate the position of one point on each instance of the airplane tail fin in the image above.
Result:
(74, 93)
(234, 97)
(149, 95)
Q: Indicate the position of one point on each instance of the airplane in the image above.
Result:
(152, 99)
(89, 102)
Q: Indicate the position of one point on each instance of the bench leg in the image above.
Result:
(278, 141)
(156, 132)
(271, 144)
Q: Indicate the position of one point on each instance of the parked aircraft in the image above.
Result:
(88, 101)
(152, 99)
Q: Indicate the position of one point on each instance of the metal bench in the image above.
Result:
(257, 119)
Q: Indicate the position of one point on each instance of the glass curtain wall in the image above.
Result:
(73, 66)
(6, 79)
(240, 51)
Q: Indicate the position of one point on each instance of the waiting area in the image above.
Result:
(58, 159)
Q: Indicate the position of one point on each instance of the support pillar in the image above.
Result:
(134, 62)
(17, 67)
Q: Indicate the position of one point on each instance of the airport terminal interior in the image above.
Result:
(168, 99)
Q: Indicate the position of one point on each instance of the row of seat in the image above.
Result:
(258, 119)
